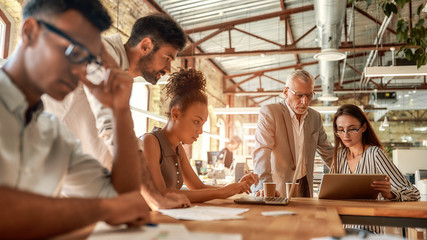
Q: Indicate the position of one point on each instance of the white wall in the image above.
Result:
(409, 160)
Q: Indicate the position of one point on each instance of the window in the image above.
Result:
(4, 35)
(139, 99)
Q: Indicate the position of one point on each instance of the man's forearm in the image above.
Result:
(126, 171)
(29, 216)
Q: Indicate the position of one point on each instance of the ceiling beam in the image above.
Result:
(288, 30)
(292, 50)
(304, 35)
(300, 65)
(251, 19)
(340, 91)
(373, 19)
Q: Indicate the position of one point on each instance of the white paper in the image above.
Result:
(104, 231)
(202, 213)
(370, 237)
(277, 213)
(215, 236)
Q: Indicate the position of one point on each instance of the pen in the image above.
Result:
(151, 224)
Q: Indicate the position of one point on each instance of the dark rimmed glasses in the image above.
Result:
(351, 131)
(76, 52)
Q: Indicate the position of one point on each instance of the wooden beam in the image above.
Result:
(304, 35)
(256, 36)
(234, 86)
(251, 19)
(272, 69)
(373, 19)
(6, 34)
(292, 50)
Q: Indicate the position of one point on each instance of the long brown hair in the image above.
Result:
(369, 138)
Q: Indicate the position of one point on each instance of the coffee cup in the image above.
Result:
(269, 189)
(288, 189)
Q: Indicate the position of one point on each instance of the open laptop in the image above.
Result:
(349, 186)
(270, 200)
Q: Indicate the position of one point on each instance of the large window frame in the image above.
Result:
(4, 35)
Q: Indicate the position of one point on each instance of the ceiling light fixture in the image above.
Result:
(328, 98)
(255, 110)
(393, 71)
(385, 122)
(329, 55)
(381, 128)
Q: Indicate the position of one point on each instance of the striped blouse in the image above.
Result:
(375, 161)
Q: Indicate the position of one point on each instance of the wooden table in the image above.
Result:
(316, 221)
(314, 218)
(371, 212)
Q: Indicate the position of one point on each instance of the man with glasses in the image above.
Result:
(154, 43)
(47, 185)
(289, 132)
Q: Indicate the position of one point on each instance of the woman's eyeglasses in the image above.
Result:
(351, 131)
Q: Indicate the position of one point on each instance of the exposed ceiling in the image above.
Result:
(258, 43)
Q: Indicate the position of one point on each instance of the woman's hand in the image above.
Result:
(235, 188)
(384, 187)
(250, 179)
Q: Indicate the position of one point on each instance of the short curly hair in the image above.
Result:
(184, 88)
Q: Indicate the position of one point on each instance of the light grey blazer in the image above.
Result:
(274, 153)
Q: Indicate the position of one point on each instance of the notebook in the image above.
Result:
(349, 186)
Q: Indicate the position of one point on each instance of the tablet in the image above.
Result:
(349, 186)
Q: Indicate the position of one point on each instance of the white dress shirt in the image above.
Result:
(43, 156)
(298, 131)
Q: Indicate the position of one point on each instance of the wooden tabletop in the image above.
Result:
(368, 207)
(303, 225)
(313, 218)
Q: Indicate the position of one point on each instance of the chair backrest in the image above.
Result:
(239, 171)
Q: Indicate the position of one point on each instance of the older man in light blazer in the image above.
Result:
(289, 132)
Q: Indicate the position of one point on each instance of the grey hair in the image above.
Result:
(302, 75)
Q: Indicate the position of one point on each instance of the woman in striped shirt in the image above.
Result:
(359, 151)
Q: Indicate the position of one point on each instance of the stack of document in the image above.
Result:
(202, 213)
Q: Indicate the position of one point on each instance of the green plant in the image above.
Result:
(413, 37)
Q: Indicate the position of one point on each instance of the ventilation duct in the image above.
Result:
(329, 21)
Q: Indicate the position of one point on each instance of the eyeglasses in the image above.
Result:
(76, 52)
(351, 132)
(301, 95)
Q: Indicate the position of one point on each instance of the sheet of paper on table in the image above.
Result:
(104, 231)
(370, 237)
(202, 213)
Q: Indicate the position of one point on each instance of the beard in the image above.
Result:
(149, 76)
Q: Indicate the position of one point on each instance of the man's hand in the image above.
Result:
(115, 90)
(129, 208)
(250, 179)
